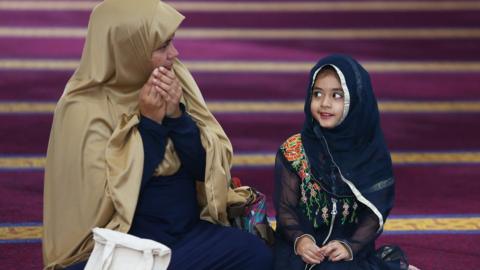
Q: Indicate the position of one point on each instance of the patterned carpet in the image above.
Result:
(251, 59)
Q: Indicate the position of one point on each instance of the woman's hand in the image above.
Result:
(335, 251)
(167, 85)
(309, 251)
(151, 103)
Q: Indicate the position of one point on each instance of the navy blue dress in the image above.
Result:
(168, 212)
(331, 217)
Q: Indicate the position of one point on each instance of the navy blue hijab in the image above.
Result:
(356, 146)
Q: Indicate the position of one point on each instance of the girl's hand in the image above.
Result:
(309, 251)
(335, 251)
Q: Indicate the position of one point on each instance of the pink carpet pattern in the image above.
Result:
(251, 60)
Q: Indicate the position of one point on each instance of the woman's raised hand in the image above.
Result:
(167, 85)
(151, 103)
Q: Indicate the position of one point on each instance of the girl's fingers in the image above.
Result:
(327, 250)
(334, 257)
(309, 259)
(312, 254)
(338, 257)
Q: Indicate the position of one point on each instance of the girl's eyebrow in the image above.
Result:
(334, 89)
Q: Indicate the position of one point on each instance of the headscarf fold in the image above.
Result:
(356, 146)
(95, 153)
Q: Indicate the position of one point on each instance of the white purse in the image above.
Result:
(120, 251)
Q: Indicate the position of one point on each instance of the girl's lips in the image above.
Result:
(326, 116)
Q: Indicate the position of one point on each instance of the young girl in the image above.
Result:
(334, 185)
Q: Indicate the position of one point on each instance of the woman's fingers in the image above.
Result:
(169, 78)
(169, 92)
(167, 86)
(163, 93)
(150, 95)
(153, 77)
(169, 73)
(166, 79)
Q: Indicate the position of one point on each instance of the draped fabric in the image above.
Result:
(95, 154)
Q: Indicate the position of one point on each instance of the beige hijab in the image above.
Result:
(95, 153)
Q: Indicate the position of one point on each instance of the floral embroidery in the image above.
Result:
(345, 211)
(353, 217)
(325, 214)
(313, 199)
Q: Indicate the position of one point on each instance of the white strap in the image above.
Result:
(107, 255)
(147, 260)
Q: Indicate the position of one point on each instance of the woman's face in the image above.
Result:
(327, 99)
(165, 55)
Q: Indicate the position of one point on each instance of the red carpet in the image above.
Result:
(442, 252)
(38, 85)
(267, 132)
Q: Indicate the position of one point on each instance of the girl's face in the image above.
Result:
(327, 99)
(165, 55)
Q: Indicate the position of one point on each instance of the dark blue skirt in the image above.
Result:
(212, 247)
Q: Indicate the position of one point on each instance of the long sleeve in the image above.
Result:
(186, 139)
(287, 194)
(366, 231)
(154, 137)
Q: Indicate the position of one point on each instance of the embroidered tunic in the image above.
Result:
(303, 206)
(315, 202)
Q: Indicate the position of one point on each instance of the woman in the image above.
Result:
(334, 182)
(132, 146)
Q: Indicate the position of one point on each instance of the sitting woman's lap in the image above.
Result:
(210, 246)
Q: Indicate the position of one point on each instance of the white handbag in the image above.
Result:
(120, 251)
